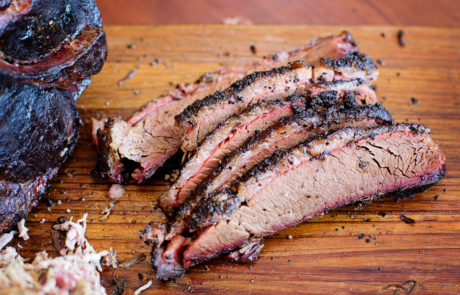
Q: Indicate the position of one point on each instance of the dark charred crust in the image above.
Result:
(29, 159)
(17, 199)
(353, 59)
(232, 92)
(229, 197)
(340, 113)
(52, 47)
(214, 206)
(38, 130)
(340, 45)
(48, 51)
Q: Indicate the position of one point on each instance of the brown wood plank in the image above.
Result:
(322, 257)
(331, 12)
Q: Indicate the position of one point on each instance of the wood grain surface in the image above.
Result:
(330, 12)
(324, 256)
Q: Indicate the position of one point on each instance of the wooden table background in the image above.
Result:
(328, 12)
(325, 255)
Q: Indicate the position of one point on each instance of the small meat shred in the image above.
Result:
(6, 238)
(116, 192)
(76, 272)
(107, 210)
(143, 288)
(111, 258)
(23, 230)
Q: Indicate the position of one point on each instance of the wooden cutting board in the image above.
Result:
(322, 256)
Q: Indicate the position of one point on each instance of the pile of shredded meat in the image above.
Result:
(75, 272)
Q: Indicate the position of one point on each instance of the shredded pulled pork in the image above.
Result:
(5, 239)
(76, 272)
(111, 258)
(23, 230)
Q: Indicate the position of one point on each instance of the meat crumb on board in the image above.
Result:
(143, 288)
(23, 230)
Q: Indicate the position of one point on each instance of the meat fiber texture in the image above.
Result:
(294, 185)
(151, 136)
(48, 52)
(75, 272)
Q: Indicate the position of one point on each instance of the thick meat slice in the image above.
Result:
(224, 139)
(204, 115)
(51, 43)
(292, 186)
(287, 133)
(150, 136)
(38, 132)
(231, 133)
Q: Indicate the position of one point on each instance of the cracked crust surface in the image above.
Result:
(288, 190)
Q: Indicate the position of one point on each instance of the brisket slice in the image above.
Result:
(290, 131)
(51, 43)
(234, 131)
(225, 138)
(38, 132)
(150, 136)
(351, 164)
(204, 115)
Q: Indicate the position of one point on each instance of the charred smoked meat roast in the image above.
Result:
(48, 51)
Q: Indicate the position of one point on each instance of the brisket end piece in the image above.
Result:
(38, 132)
(18, 199)
(109, 162)
(51, 43)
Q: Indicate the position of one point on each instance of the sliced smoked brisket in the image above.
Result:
(205, 114)
(150, 136)
(324, 113)
(231, 133)
(48, 52)
(294, 185)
